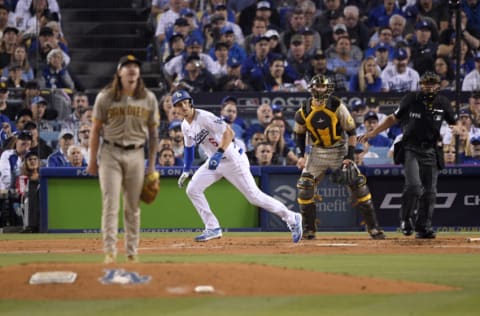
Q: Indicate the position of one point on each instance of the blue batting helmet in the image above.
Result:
(181, 95)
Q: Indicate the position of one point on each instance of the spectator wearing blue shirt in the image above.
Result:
(255, 67)
(59, 158)
(472, 10)
(234, 50)
(264, 117)
(229, 111)
(383, 41)
(371, 121)
(368, 78)
(75, 157)
(166, 158)
(297, 57)
(4, 119)
(380, 16)
(344, 63)
(473, 157)
(55, 74)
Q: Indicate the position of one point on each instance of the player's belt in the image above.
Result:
(127, 147)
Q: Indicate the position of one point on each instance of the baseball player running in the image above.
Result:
(227, 160)
(125, 112)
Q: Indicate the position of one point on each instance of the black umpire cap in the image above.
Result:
(128, 59)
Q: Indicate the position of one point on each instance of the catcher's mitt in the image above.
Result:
(151, 186)
(346, 174)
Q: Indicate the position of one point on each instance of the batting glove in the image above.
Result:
(215, 160)
(183, 178)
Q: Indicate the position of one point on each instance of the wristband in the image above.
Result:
(350, 153)
(221, 150)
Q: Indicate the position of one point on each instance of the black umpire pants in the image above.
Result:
(420, 189)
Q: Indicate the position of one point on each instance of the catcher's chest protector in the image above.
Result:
(323, 124)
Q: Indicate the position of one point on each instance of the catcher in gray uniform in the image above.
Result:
(125, 114)
(324, 124)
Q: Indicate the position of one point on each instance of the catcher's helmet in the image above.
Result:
(430, 78)
(181, 95)
(318, 81)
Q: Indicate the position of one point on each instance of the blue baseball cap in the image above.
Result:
(39, 100)
(233, 62)
(400, 54)
(259, 38)
(187, 12)
(174, 124)
(229, 98)
(174, 36)
(475, 140)
(277, 107)
(181, 95)
(220, 7)
(423, 24)
(465, 112)
(226, 29)
(194, 40)
(264, 5)
(357, 104)
(181, 22)
(382, 46)
(371, 115)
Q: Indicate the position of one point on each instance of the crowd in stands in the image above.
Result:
(278, 46)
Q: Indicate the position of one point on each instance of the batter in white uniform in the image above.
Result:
(227, 160)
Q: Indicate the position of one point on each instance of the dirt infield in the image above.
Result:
(179, 279)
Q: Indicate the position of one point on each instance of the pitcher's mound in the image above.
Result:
(180, 279)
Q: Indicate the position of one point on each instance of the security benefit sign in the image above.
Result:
(457, 203)
(334, 210)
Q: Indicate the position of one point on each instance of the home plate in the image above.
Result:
(337, 245)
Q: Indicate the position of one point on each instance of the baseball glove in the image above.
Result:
(151, 186)
(346, 174)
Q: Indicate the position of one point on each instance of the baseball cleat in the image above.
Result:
(109, 258)
(209, 234)
(132, 259)
(407, 227)
(377, 234)
(297, 229)
(309, 235)
(426, 234)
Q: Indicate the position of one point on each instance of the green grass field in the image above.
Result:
(456, 270)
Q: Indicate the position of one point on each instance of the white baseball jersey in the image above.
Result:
(393, 81)
(207, 130)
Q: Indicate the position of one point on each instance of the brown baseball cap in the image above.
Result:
(128, 59)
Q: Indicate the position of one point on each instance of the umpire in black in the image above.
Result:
(420, 114)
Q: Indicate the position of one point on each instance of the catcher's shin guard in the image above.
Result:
(362, 199)
(306, 201)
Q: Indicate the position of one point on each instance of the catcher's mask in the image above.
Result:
(181, 95)
(429, 85)
(321, 87)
